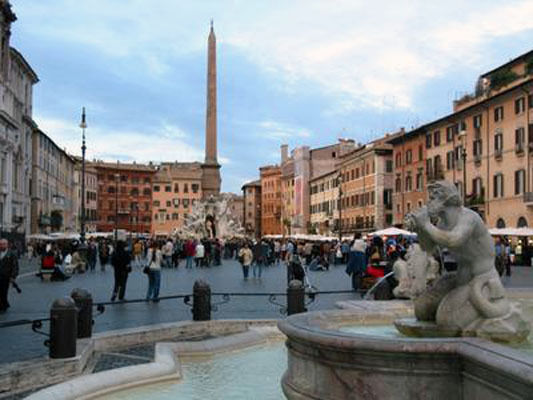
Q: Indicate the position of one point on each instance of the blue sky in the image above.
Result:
(298, 72)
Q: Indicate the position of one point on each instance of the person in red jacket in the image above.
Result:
(189, 250)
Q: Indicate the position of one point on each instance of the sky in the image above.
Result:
(303, 72)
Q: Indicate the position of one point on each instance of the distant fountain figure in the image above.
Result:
(211, 219)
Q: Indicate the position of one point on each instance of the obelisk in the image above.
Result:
(211, 167)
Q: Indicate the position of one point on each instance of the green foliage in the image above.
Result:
(502, 78)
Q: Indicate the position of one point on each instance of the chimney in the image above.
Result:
(284, 153)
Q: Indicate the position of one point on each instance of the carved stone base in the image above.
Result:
(414, 328)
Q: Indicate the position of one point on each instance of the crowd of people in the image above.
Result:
(59, 260)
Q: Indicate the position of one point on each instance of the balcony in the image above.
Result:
(528, 198)
(519, 148)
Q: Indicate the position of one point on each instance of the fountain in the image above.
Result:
(210, 218)
(443, 353)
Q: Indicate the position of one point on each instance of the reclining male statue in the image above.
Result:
(471, 302)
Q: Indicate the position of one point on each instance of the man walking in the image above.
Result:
(9, 269)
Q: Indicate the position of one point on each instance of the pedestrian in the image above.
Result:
(190, 251)
(104, 255)
(357, 261)
(245, 258)
(138, 252)
(91, 255)
(120, 261)
(153, 269)
(199, 254)
(9, 269)
(167, 253)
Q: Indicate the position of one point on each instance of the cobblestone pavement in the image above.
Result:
(20, 343)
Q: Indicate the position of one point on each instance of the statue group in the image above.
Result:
(469, 302)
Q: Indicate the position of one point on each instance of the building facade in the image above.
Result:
(324, 200)
(16, 125)
(251, 192)
(494, 126)
(176, 188)
(54, 191)
(270, 200)
(409, 155)
(366, 188)
(91, 196)
(124, 196)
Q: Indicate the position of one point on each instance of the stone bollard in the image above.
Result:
(295, 297)
(201, 301)
(63, 328)
(84, 302)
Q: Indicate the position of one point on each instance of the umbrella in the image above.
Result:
(392, 232)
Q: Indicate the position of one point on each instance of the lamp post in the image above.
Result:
(83, 126)
(339, 182)
(117, 178)
(462, 138)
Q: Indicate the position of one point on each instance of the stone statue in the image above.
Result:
(471, 302)
(414, 273)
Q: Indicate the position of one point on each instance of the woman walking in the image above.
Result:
(120, 261)
(154, 257)
(245, 257)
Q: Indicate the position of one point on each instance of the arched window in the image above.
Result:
(146, 192)
(134, 192)
(398, 185)
(111, 189)
(522, 223)
(500, 223)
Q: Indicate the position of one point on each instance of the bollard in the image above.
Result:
(295, 297)
(201, 303)
(63, 328)
(84, 302)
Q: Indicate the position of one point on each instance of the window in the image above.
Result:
(428, 140)
(409, 157)
(498, 186)
(169, 203)
(388, 166)
(498, 114)
(519, 105)
(398, 160)
(438, 165)
(195, 187)
(477, 187)
(398, 185)
(168, 188)
(530, 101)
(420, 153)
(520, 137)
(156, 203)
(450, 160)
(478, 120)
(146, 180)
(111, 205)
(478, 148)
(419, 181)
(436, 138)
(408, 183)
(175, 217)
(146, 192)
(185, 188)
(185, 203)
(111, 189)
(177, 188)
(156, 188)
(458, 155)
(429, 167)
(177, 203)
(498, 144)
(134, 192)
(519, 181)
(449, 133)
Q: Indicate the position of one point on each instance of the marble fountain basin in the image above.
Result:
(357, 354)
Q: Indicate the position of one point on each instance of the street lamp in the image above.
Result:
(462, 138)
(339, 182)
(83, 126)
(117, 178)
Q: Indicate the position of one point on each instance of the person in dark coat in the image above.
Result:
(9, 269)
(120, 261)
(357, 261)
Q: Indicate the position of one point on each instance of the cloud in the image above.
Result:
(164, 144)
(281, 131)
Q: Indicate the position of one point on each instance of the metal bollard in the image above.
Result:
(295, 297)
(63, 328)
(201, 301)
(84, 302)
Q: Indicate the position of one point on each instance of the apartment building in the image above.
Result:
(176, 188)
(251, 192)
(124, 196)
(366, 188)
(270, 200)
(409, 155)
(324, 200)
